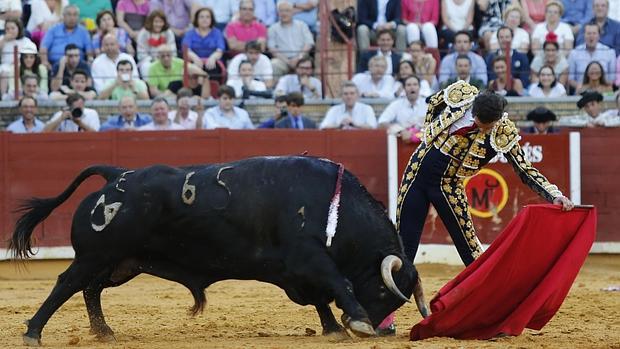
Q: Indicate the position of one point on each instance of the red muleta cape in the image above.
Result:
(520, 281)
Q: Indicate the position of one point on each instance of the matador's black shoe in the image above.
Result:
(387, 331)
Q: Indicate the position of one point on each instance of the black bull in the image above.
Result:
(256, 219)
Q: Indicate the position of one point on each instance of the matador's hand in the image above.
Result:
(567, 205)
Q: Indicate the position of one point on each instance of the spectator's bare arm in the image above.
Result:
(120, 19)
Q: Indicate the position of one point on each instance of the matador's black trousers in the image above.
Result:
(430, 179)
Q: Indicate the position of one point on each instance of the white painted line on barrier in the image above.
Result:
(392, 157)
(575, 167)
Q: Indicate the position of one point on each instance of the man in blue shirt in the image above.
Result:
(610, 29)
(591, 50)
(27, 123)
(128, 119)
(576, 13)
(60, 35)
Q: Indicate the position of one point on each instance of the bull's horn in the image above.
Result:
(392, 263)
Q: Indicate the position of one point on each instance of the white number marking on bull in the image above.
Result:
(122, 179)
(188, 193)
(109, 211)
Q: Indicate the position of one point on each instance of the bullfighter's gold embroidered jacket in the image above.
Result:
(470, 152)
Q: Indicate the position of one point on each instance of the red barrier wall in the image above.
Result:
(44, 164)
(600, 178)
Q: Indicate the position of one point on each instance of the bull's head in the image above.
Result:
(389, 288)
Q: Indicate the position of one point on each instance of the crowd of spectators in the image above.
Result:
(230, 50)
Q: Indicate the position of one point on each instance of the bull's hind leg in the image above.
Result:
(126, 271)
(92, 299)
(73, 280)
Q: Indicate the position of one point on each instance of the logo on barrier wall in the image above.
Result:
(487, 193)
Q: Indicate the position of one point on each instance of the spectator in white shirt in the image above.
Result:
(610, 118)
(289, 40)
(375, 83)
(184, 115)
(103, 68)
(226, 115)
(302, 81)
(405, 116)
(245, 83)
(350, 114)
(261, 64)
(553, 14)
(159, 110)
(74, 117)
(548, 85)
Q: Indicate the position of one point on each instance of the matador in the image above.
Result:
(463, 131)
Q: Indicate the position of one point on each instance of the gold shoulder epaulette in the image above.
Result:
(504, 135)
(459, 94)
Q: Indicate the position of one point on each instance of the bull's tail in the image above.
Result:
(38, 209)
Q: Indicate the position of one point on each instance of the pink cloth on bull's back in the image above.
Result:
(245, 33)
(520, 281)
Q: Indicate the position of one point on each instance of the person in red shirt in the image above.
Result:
(245, 29)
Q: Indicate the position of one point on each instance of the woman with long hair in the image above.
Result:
(155, 34)
(106, 23)
(29, 64)
(548, 85)
(594, 80)
(13, 37)
(503, 84)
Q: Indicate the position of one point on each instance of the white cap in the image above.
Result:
(28, 48)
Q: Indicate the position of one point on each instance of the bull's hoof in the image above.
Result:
(101, 330)
(361, 328)
(334, 330)
(31, 341)
(338, 336)
(106, 338)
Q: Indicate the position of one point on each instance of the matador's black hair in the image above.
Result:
(489, 107)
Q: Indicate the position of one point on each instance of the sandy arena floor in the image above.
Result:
(152, 313)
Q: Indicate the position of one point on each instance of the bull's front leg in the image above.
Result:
(328, 321)
(316, 271)
(355, 317)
